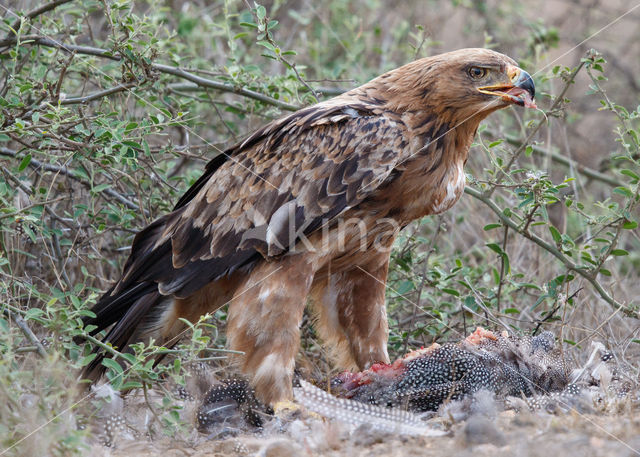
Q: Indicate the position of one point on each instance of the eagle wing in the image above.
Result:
(282, 182)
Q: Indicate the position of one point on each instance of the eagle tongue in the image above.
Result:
(528, 101)
(523, 96)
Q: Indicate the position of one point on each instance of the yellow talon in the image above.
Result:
(286, 406)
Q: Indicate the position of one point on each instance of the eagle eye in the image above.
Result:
(477, 72)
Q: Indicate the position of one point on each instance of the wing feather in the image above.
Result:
(303, 170)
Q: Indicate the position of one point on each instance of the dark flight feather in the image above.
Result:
(195, 244)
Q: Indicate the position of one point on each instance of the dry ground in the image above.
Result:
(505, 434)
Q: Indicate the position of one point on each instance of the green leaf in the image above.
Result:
(605, 272)
(404, 287)
(33, 313)
(267, 45)
(453, 292)
(619, 252)
(272, 24)
(495, 248)
(623, 191)
(557, 236)
(25, 162)
(129, 357)
(491, 227)
(629, 225)
(470, 302)
(100, 187)
(630, 174)
(145, 146)
(512, 311)
(496, 275)
(88, 359)
(130, 126)
(132, 144)
(112, 365)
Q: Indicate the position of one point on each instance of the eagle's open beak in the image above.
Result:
(521, 90)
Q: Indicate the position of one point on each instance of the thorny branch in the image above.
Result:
(502, 267)
(82, 99)
(37, 165)
(556, 104)
(26, 330)
(633, 200)
(38, 11)
(175, 71)
(585, 273)
(264, 23)
(561, 159)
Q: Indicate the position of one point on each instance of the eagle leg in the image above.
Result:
(264, 322)
(351, 313)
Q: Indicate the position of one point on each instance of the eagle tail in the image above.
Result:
(133, 304)
(132, 314)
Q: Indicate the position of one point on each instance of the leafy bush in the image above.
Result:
(108, 111)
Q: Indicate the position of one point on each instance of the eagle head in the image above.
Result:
(480, 81)
(460, 84)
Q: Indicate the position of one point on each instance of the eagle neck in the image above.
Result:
(431, 177)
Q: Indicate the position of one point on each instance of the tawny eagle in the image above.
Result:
(305, 210)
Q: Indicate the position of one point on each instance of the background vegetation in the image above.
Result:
(109, 110)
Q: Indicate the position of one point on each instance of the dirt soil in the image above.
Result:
(490, 433)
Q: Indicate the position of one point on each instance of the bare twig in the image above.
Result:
(36, 164)
(48, 42)
(26, 189)
(226, 126)
(556, 103)
(82, 99)
(175, 71)
(423, 282)
(585, 273)
(563, 160)
(38, 11)
(502, 266)
(633, 200)
(204, 82)
(151, 408)
(55, 243)
(26, 330)
(267, 37)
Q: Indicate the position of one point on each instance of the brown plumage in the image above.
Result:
(308, 207)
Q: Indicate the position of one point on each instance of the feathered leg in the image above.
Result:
(264, 322)
(351, 313)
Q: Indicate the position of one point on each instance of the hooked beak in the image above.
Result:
(520, 91)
